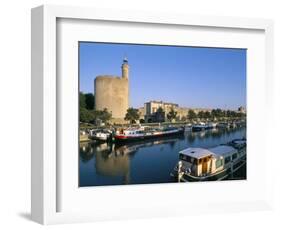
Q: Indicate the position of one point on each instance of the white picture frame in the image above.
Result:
(47, 173)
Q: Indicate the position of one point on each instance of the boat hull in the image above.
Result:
(101, 138)
(202, 128)
(197, 129)
(125, 139)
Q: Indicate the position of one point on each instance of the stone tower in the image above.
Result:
(125, 68)
(112, 93)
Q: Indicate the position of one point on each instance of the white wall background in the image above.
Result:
(15, 111)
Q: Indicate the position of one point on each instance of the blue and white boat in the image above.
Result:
(200, 164)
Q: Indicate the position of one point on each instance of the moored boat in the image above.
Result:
(203, 126)
(211, 125)
(200, 164)
(223, 125)
(199, 127)
(100, 135)
(137, 134)
(188, 127)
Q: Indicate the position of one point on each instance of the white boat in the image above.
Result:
(199, 127)
(223, 125)
(200, 164)
(138, 134)
(212, 125)
(100, 135)
(188, 127)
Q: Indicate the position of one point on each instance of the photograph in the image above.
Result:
(152, 113)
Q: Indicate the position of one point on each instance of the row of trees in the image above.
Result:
(215, 113)
(87, 110)
(91, 116)
(133, 114)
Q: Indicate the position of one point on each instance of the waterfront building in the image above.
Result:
(153, 113)
(156, 111)
(112, 92)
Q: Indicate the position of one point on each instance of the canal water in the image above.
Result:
(149, 161)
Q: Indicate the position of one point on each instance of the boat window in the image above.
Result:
(218, 163)
(234, 156)
(226, 160)
(183, 157)
(186, 158)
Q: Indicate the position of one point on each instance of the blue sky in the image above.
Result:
(190, 76)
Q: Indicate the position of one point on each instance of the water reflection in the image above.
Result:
(148, 161)
(113, 163)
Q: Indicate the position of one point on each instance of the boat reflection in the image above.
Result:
(146, 161)
(113, 160)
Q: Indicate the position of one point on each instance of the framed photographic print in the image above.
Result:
(137, 114)
(176, 113)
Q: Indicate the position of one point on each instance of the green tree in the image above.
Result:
(201, 114)
(217, 113)
(172, 115)
(160, 110)
(89, 101)
(82, 103)
(213, 113)
(103, 115)
(234, 114)
(207, 115)
(142, 121)
(86, 115)
(240, 115)
(132, 115)
(220, 113)
(191, 114)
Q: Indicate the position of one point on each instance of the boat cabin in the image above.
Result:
(133, 132)
(202, 162)
(196, 161)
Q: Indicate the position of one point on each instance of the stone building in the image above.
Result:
(182, 112)
(152, 112)
(112, 93)
(152, 107)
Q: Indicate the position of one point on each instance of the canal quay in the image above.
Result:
(148, 161)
